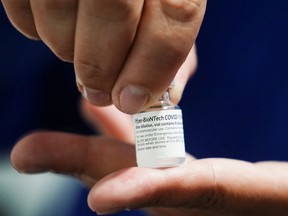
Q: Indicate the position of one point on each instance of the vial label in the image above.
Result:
(159, 135)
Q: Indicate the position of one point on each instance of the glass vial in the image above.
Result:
(159, 135)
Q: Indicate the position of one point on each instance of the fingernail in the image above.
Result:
(96, 97)
(133, 98)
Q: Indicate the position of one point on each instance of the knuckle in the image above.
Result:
(182, 10)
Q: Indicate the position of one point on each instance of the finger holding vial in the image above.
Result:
(164, 41)
(125, 52)
(104, 35)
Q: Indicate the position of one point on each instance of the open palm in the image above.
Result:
(107, 164)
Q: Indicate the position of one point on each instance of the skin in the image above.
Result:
(151, 38)
(106, 164)
(125, 52)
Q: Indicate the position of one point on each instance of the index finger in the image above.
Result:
(89, 158)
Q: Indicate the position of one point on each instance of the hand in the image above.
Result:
(124, 51)
(107, 164)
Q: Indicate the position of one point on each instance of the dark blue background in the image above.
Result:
(235, 106)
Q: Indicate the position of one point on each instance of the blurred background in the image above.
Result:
(236, 106)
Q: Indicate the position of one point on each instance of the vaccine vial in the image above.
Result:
(159, 135)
